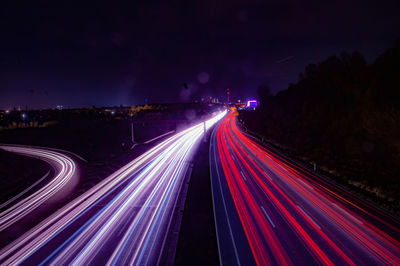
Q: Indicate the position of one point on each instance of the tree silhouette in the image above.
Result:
(337, 111)
(264, 94)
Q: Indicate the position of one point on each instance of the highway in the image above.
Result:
(42, 190)
(125, 219)
(270, 211)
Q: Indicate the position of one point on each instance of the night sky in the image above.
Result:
(105, 54)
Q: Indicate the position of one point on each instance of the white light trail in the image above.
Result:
(137, 202)
(65, 169)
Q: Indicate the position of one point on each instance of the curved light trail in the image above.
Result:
(270, 211)
(122, 220)
(65, 169)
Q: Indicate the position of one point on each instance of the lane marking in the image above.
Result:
(304, 183)
(267, 176)
(266, 215)
(214, 139)
(348, 214)
(309, 217)
(283, 168)
(243, 176)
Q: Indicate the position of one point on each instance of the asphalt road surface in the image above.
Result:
(270, 211)
(122, 220)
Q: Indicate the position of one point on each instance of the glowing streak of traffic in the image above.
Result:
(123, 220)
(65, 170)
(278, 213)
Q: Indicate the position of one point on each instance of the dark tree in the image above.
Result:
(343, 113)
(264, 93)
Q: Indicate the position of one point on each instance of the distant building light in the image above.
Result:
(7, 111)
(251, 104)
(23, 115)
(215, 100)
(59, 107)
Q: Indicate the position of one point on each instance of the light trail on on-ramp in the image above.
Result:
(269, 210)
(20, 206)
(122, 220)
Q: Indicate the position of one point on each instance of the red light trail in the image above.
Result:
(268, 210)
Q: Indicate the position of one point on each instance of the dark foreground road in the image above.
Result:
(270, 211)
